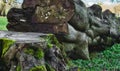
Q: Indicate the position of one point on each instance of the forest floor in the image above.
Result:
(107, 60)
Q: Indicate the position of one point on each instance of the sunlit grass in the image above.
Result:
(3, 23)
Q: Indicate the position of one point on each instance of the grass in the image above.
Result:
(108, 60)
(3, 23)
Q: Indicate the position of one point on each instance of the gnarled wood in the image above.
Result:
(24, 51)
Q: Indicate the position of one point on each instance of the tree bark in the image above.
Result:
(22, 51)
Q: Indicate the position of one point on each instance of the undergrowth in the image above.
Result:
(108, 60)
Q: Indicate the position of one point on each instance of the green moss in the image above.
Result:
(6, 43)
(18, 68)
(51, 40)
(29, 51)
(37, 53)
(78, 69)
(38, 68)
(49, 68)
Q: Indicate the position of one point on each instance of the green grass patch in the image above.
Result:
(3, 23)
(108, 60)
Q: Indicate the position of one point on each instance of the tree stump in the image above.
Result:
(31, 52)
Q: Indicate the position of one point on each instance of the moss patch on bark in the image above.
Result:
(5, 45)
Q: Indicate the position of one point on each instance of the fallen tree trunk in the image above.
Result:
(31, 52)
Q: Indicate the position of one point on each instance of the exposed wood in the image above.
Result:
(23, 37)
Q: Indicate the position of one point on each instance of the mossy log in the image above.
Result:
(31, 52)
